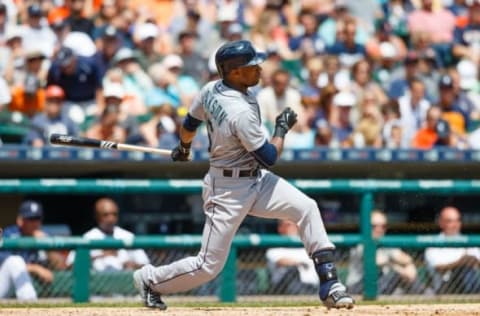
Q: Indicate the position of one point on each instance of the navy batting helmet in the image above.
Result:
(237, 54)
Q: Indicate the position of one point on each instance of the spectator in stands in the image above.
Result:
(106, 216)
(76, 20)
(396, 12)
(17, 267)
(308, 43)
(451, 112)
(273, 100)
(397, 271)
(413, 107)
(454, 270)
(362, 82)
(183, 85)
(163, 80)
(194, 65)
(439, 23)
(109, 126)
(105, 15)
(368, 129)
(466, 42)
(145, 41)
(134, 79)
(401, 77)
(346, 47)
(114, 96)
(35, 35)
(426, 137)
(107, 45)
(80, 79)
(332, 26)
(291, 270)
(464, 78)
(52, 120)
(160, 130)
(343, 102)
(309, 90)
(385, 34)
(5, 96)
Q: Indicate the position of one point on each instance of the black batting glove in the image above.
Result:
(181, 152)
(284, 122)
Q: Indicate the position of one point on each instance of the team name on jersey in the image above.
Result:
(212, 106)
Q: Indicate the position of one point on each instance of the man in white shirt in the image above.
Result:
(106, 215)
(291, 269)
(274, 99)
(454, 270)
(38, 36)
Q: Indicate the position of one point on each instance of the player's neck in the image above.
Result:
(241, 88)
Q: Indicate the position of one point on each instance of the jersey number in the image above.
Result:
(209, 133)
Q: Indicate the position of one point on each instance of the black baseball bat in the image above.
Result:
(68, 140)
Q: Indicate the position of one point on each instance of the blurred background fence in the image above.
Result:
(246, 272)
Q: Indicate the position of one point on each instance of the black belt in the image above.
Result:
(241, 173)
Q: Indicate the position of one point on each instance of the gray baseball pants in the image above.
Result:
(227, 201)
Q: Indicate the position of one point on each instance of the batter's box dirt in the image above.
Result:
(393, 310)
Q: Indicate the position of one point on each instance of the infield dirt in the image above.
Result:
(410, 310)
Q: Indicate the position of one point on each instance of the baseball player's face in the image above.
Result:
(250, 75)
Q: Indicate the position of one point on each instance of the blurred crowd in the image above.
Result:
(370, 73)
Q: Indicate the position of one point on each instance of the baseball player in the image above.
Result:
(239, 183)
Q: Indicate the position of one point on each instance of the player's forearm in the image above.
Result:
(278, 143)
(186, 136)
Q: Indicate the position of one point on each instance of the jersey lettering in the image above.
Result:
(216, 111)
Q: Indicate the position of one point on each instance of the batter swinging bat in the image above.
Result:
(67, 140)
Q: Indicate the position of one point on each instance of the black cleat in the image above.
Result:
(150, 298)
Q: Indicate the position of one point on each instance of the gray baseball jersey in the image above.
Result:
(234, 128)
(233, 124)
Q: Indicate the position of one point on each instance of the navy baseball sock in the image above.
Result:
(326, 270)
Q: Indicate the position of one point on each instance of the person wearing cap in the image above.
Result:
(146, 43)
(134, 79)
(385, 34)
(35, 35)
(106, 212)
(51, 120)
(457, 118)
(17, 267)
(114, 96)
(81, 81)
(108, 43)
(182, 84)
(434, 132)
(466, 42)
(343, 102)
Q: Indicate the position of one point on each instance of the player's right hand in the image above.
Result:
(284, 122)
(181, 153)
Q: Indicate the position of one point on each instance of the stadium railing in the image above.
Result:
(365, 188)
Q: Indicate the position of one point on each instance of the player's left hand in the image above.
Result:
(181, 153)
(284, 122)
